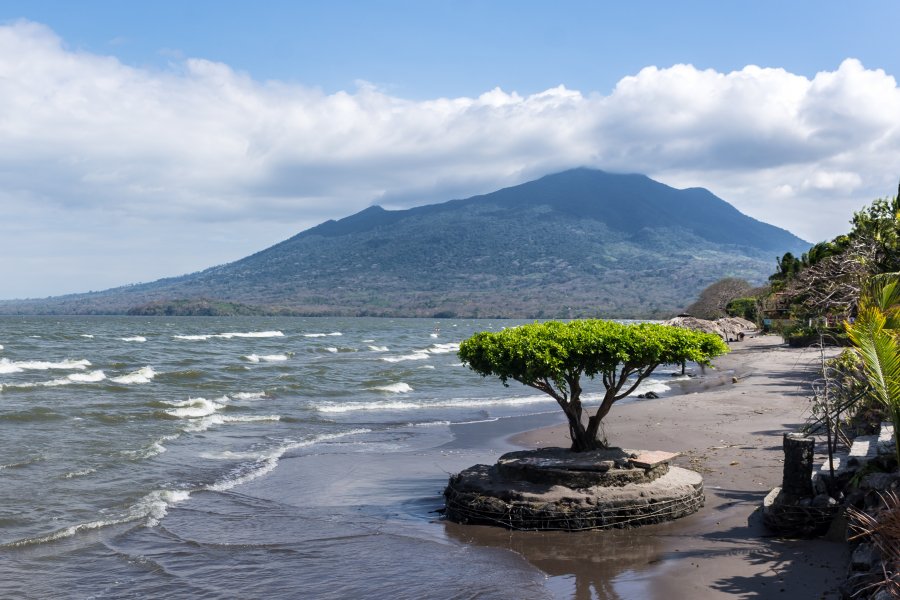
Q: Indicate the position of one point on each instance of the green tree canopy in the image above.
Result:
(552, 357)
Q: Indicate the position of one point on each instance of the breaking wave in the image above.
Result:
(477, 403)
(143, 375)
(8, 366)
(228, 336)
(396, 388)
(267, 461)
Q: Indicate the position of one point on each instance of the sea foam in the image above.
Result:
(8, 366)
(249, 395)
(396, 388)
(417, 355)
(198, 425)
(193, 408)
(269, 460)
(255, 358)
(477, 403)
(151, 507)
(143, 375)
(229, 335)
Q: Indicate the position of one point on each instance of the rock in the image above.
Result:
(864, 557)
(879, 482)
(824, 501)
(883, 594)
(548, 490)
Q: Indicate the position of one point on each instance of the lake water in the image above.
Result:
(144, 457)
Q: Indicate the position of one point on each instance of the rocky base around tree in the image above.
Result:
(557, 489)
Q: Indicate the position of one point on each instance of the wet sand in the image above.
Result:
(379, 504)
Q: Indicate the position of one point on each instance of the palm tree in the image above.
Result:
(875, 334)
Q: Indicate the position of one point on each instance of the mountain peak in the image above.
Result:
(583, 242)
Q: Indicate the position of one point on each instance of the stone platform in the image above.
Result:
(554, 488)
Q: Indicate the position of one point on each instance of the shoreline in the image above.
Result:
(359, 519)
(730, 433)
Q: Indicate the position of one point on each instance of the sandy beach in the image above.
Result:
(730, 432)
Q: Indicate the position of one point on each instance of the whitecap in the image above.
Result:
(427, 367)
(89, 377)
(251, 334)
(155, 505)
(378, 348)
(8, 366)
(154, 449)
(318, 335)
(443, 348)
(142, 375)
(80, 473)
(87, 335)
(331, 349)
(395, 388)
(476, 403)
(417, 355)
(193, 408)
(249, 395)
(344, 408)
(229, 335)
(254, 358)
(198, 425)
(230, 455)
(134, 338)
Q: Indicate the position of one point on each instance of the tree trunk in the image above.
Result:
(798, 464)
(586, 437)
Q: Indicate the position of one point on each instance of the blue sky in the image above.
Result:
(424, 49)
(143, 140)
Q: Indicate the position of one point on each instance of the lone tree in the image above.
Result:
(552, 357)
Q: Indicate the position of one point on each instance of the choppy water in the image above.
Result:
(109, 424)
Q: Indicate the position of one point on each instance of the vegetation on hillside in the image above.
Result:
(202, 307)
(577, 244)
(821, 286)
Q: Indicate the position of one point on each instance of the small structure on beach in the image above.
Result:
(730, 329)
(556, 489)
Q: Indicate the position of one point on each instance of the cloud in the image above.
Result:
(207, 157)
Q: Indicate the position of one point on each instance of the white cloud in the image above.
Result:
(217, 165)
